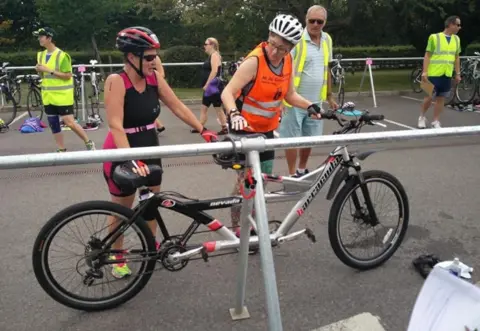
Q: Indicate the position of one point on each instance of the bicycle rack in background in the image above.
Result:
(81, 70)
(368, 65)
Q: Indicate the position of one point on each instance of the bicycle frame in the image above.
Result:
(303, 189)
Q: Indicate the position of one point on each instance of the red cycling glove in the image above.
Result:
(209, 136)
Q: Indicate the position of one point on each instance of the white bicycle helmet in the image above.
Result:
(287, 27)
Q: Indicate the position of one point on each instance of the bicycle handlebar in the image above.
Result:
(332, 115)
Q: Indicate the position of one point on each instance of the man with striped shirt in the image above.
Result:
(313, 82)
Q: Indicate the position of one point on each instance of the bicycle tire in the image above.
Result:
(36, 94)
(335, 212)
(341, 93)
(95, 102)
(8, 97)
(48, 231)
(413, 76)
(474, 89)
(16, 92)
(76, 98)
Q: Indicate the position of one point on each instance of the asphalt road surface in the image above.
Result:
(315, 288)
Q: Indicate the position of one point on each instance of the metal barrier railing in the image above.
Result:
(251, 147)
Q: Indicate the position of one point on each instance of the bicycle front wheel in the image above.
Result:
(387, 236)
(34, 104)
(85, 279)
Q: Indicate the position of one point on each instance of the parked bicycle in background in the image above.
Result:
(34, 97)
(8, 90)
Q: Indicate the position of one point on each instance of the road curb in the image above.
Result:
(361, 322)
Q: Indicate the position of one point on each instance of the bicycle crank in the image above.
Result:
(295, 235)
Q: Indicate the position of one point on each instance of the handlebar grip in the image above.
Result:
(373, 117)
(328, 115)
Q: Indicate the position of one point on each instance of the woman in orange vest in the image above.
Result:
(253, 97)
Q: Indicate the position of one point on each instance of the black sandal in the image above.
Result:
(425, 263)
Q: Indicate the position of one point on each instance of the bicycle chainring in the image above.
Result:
(168, 249)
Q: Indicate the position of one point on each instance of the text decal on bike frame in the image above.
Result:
(330, 166)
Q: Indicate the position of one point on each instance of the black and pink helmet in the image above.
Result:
(136, 39)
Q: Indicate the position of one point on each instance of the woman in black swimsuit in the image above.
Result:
(132, 106)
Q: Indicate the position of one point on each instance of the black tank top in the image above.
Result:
(141, 109)
(207, 69)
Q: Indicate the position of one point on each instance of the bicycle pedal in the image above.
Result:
(204, 255)
(310, 235)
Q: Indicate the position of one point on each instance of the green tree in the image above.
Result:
(18, 19)
(419, 19)
(81, 22)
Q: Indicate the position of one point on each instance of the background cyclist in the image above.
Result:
(254, 95)
(132, 106)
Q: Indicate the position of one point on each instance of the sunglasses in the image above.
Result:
(206, 44)
(319, 22)
(150, 58)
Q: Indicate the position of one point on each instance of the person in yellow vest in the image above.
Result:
(441, 57)
(312, 81)
(55, 69)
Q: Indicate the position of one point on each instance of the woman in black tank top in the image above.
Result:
(211, 69)
(132, 106)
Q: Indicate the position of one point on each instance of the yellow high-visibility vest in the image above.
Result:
(55, 91)
(442, 61)
(299, 63)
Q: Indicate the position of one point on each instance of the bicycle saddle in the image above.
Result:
(93, 62)
(4, 64)
(128, 180)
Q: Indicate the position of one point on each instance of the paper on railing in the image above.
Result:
(446, 303)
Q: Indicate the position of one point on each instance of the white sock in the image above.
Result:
(301, 170)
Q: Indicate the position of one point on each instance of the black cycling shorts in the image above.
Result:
(214, 100)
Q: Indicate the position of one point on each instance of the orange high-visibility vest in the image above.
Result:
(262, 105)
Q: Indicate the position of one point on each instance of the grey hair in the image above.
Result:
(451, 20)
(317, 7)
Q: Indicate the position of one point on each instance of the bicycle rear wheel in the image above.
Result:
(34, 104)
(415, 79)
(465, 90)
(8, 106)
(91, 265)
(390, 237)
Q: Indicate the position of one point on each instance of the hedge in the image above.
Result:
(190, 76)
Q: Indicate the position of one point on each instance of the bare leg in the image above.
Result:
(427, 102)
(70, 122)
(113, 222)
(304, 155)
(438, 108)
(291, 155)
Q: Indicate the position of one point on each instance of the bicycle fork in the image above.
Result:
(371, 217)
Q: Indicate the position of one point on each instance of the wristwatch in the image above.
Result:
(233, 111)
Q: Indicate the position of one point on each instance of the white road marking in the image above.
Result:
(414, 99)
(400, 124)
(19, 117)
(361, 322)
